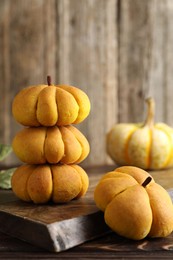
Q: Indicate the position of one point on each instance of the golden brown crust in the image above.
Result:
(50, 105)
(40, 145)
(43, 183)
(134, 205)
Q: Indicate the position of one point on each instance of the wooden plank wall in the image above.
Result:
(117, 51)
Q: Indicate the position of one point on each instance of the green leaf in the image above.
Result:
(5, 178)
(5, 150)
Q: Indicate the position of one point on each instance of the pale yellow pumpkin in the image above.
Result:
(147, 145)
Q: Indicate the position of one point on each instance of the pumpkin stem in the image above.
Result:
(151, 112)
(147, 181)
(49, 80)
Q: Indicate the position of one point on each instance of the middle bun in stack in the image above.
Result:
(40, 145)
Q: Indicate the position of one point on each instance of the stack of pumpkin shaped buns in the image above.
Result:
(49, 145)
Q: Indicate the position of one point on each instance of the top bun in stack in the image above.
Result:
(50, 105)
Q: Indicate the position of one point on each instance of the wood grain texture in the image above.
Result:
(145, 51)
(87, 58)
(110, 246)
(53, 227)
(75, 42)
(117, 51)
(28, 38)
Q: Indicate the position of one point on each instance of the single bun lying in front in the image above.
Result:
(134, 205)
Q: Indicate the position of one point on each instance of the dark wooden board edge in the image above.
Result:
(58, 236)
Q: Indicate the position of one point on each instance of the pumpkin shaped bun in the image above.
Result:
(50, 105)
(43, 183)
(147, 145)
(40, 145)
(134, 205)
(49, 144)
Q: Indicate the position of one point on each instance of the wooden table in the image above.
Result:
(110, 246)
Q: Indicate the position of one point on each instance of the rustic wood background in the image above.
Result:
(117, 51)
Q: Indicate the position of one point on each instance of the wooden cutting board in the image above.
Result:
(53, 227)
(60, 227)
